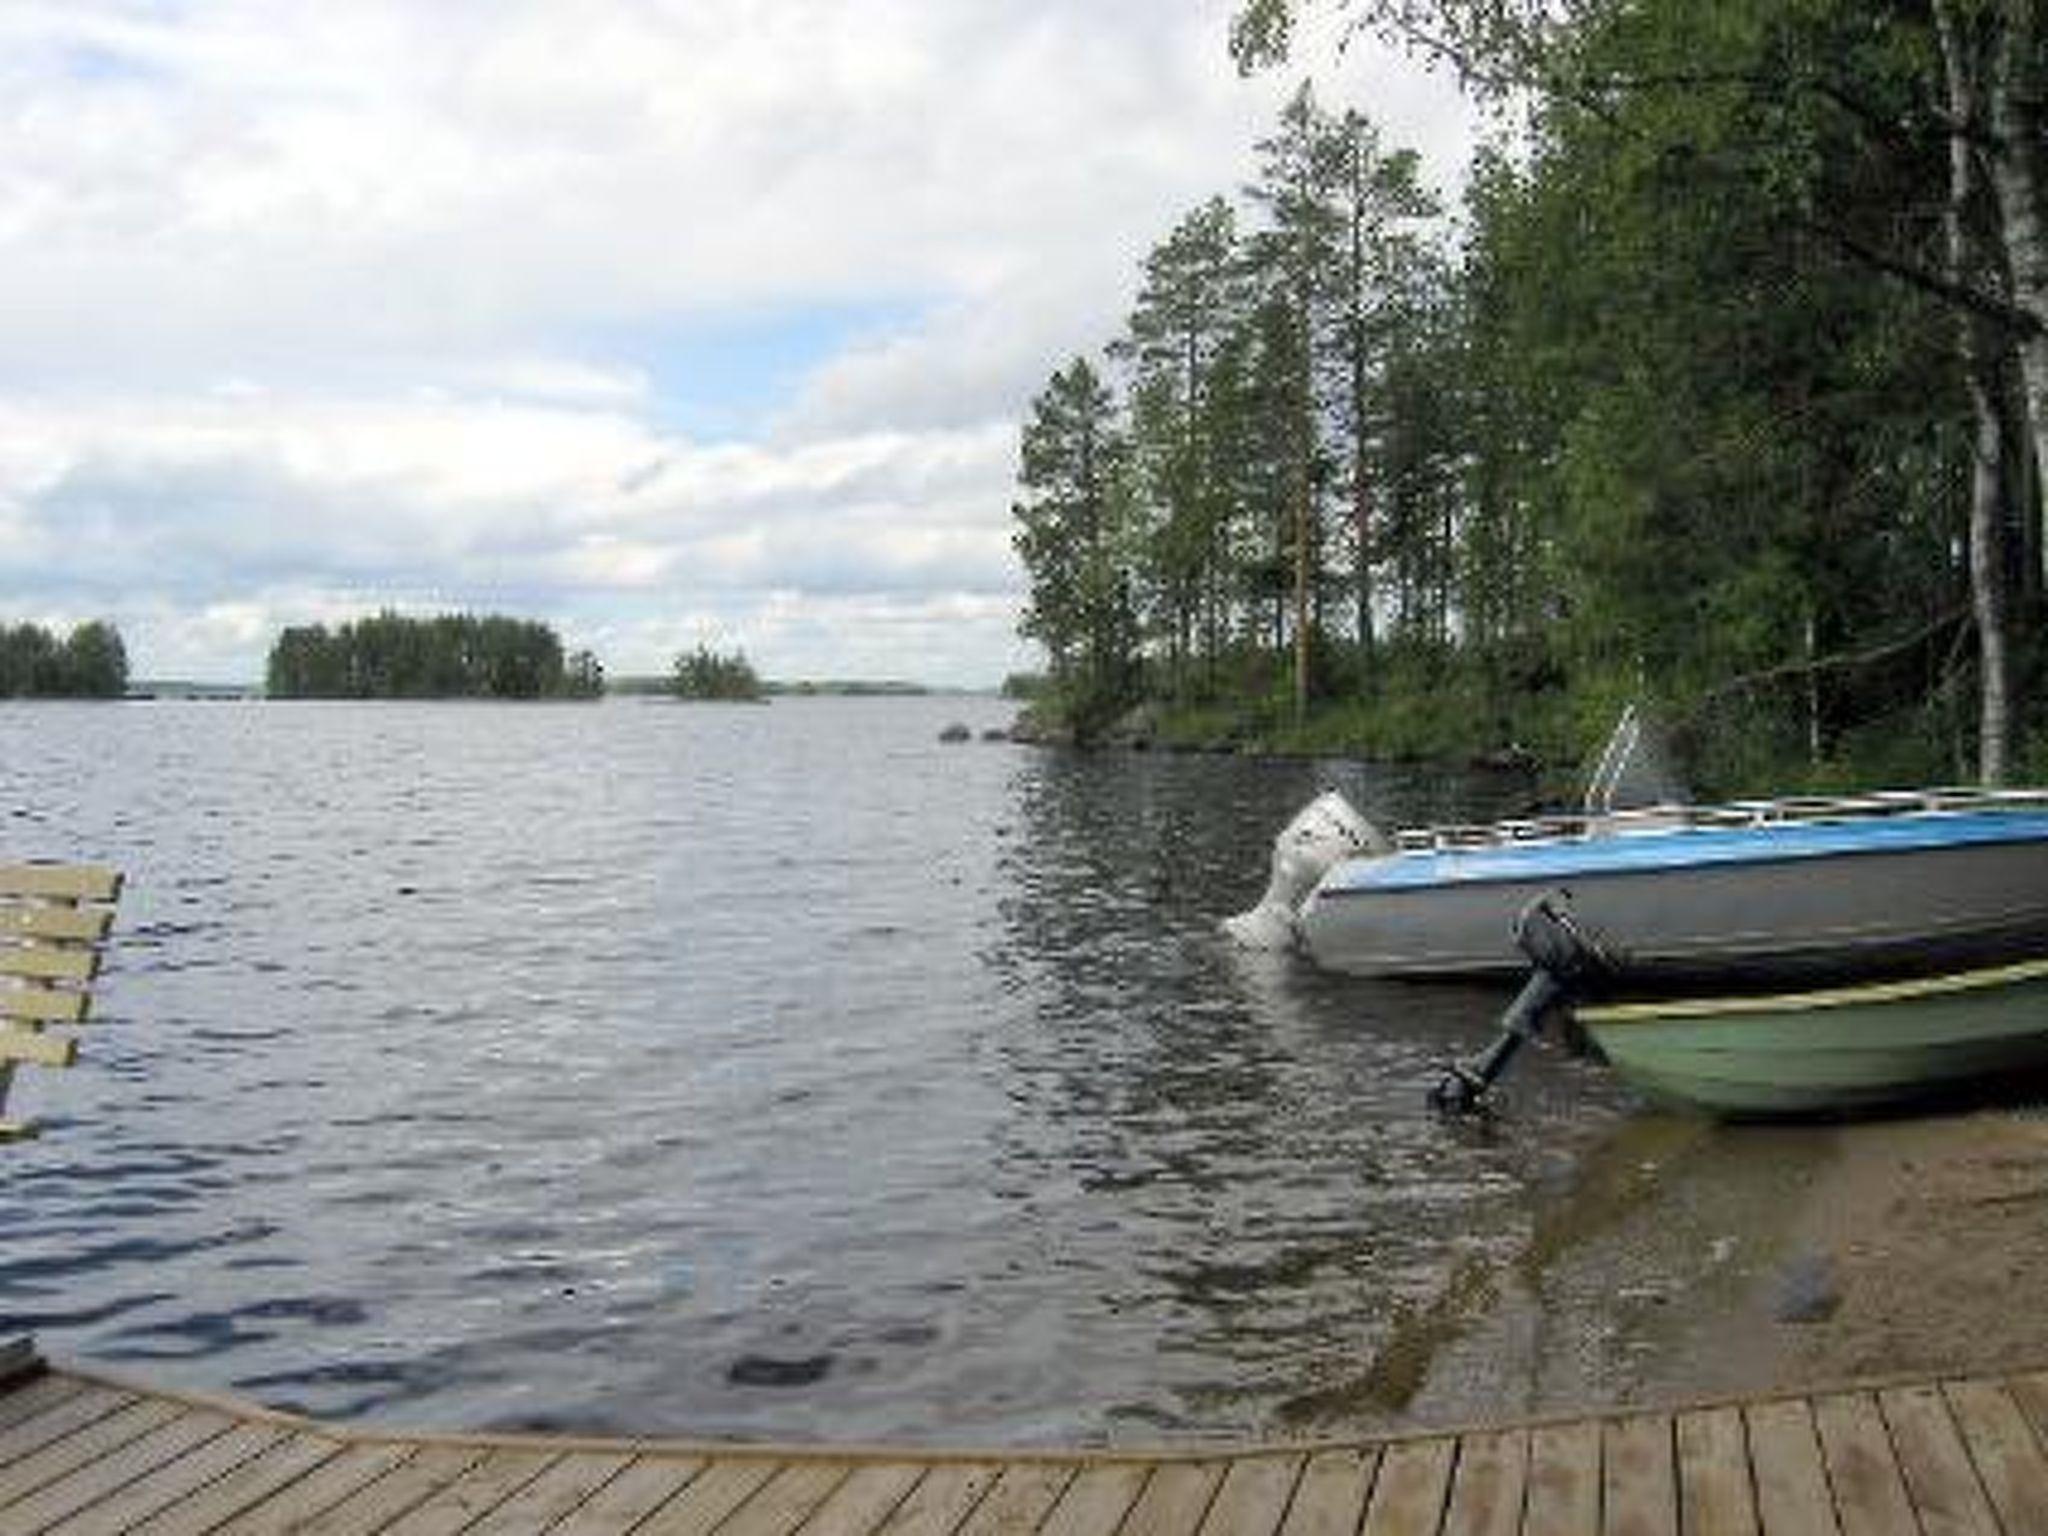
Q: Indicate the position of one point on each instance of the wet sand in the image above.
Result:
(1687, 1260)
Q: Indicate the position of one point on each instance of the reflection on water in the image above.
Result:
(733, 1070)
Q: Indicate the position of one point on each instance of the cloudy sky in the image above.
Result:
(662, 320)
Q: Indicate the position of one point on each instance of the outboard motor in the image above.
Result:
(1564, 958)
(1327, 829)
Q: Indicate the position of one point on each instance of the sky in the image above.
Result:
(667, 322)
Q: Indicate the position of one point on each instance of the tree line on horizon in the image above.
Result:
(90, 662)
(1724, 389)
(393, 656)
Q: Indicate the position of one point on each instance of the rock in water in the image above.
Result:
(1808, 1290)
(769, 1371)
(956, 732)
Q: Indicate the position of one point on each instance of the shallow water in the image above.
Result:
(731, 1070)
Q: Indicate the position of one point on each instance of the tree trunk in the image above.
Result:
(2016, 175)
(1966, 62)
(1303, 496)
(1813, 733)
(1304, 509)
(1361, 455)
(1987, 592)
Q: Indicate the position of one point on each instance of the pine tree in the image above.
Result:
(1073, 540)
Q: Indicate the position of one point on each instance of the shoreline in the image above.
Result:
(1690, 1260)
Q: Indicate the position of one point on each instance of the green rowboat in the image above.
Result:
(1844, 1048)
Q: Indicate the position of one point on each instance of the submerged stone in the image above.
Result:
(769, 1371)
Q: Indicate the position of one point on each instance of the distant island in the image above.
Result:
(449, 656)
(852, 688)
(649, 685)
(394, 656)
(185, 690)
(89, 663)
(714, 676)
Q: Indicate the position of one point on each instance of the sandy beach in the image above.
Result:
(1686, 1260)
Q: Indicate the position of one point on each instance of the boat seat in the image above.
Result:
(53, 927)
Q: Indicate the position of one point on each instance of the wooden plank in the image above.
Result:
(48, 962)
(480, 1489)
(1174, 1499)
(637, 1492)
(1714, 1497)
(1639, 1476)
(1254, 1496)
(1408, 1495)
(1939, 1478)
(713, 1494)
(287, 1460)
(866, 1499)
(70, 1436)
(372, 1506)
(1792, 1492)
(31, 1004)
(1331, 1495)
(36, 1048)
(292, 1505)
(1563, 1496)
(171, 1481)
(60, 882)
(1870, 1492)
(2030, 1392)
(1019, 1500)
(556, 1493)
(786, 1500)
(941, 1500)
(36, 1395)
(1488, 1484)
(67, 925)
(2007, 1454)
(1096, 1501)
(79, 1460)
(94, 1481)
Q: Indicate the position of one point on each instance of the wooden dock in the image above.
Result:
(81, 1455)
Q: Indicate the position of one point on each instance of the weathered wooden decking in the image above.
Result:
(79, 1454)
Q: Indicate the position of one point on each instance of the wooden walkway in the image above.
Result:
(80, 1454)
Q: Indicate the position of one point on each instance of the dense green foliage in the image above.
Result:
(391, 656)
(1679, 410)
(713, 675)
(89, 663)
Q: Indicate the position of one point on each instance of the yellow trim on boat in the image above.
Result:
(1832, 997)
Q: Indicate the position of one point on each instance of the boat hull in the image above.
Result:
(1830, 1051)
(1751, 909)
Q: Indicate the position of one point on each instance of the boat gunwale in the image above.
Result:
(1950, 984)
(1408, 875)
(1731, 815)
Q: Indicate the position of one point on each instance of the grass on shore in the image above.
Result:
(1726, 751)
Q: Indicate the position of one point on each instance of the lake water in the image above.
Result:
(729, 1070)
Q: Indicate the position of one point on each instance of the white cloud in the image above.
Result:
(313, 306)
(147, 509)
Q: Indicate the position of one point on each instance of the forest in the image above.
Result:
(91, 662)
(393, 656)
(1720, 387)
